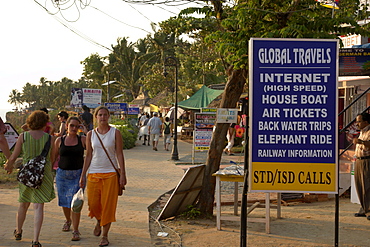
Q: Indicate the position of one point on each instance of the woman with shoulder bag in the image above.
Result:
(99, 173)
(70, 149)
(32, 142)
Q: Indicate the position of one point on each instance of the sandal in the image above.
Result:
(66, 226)
(36, 244)
(76, 236)
(97, 230)
(18, 236)
(104, 242)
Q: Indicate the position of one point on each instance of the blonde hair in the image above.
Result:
(101, 108)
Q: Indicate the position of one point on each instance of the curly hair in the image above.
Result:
(37, 120)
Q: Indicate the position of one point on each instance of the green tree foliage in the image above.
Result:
(93, 70)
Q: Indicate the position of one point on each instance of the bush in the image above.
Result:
(128, 132)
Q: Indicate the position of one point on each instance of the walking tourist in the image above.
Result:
(154, 130)
(167, 133)
(31, 143)
(3, 142)
(62, 117)
(230, 136)
(70, 149)
(362, 165)
(49, 126)
(87, 118)
(144, 129)
(100, 176)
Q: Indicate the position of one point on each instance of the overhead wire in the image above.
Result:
(118, 20)
(72, 29)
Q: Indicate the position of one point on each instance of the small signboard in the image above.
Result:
(11, 135)
(133, 111)
(91, 97)
(204, 110)
(204, 123)
(225, 115)
(116, 107)
(293, 115)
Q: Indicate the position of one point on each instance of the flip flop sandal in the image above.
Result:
(36, 244)
(97, 231)
(66, 226)
(18, 236)
(76, 236)
(103, 239)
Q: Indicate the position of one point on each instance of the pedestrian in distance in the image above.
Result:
(167, 133)
(362, 164)
(62, 117)
(140, 122)
(31, 143)
(144, 129)
(3, 142)
(87, 118)
(99, 175)
(155, 129)
(230, 136)
(70, 148)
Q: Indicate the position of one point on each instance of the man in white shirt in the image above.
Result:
(155, 129)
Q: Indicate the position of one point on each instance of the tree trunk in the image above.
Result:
(233, 90)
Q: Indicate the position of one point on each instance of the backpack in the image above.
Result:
(32, 173)
(167, 129)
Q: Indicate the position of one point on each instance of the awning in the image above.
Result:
(201, 99)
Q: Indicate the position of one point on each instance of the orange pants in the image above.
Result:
(102, 196)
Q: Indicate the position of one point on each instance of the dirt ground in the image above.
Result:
(302, 224)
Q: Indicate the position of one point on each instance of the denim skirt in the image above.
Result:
(67, 182)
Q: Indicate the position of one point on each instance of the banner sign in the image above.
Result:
(204, 123)
(76, 97)
(227, 115)
(133, 111)
(293, 115)
(119, 107)
(91, 97)
(354, 62)
(85, 96)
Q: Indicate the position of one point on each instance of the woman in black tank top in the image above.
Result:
(70, 148)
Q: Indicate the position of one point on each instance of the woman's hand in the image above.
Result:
(82, 181)
(122, 181)
(8, 168)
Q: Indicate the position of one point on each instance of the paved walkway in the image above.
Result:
(150, 174)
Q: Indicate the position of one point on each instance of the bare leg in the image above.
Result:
(104, 239)
(38, 219)
(21, 215)
(76, 220)
(67, 214)
(106, 229)
(97, 229)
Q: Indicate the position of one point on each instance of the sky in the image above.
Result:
(35, 44)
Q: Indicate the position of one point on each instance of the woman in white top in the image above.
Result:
(102, 189)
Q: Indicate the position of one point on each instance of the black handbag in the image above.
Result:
(32, 173)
